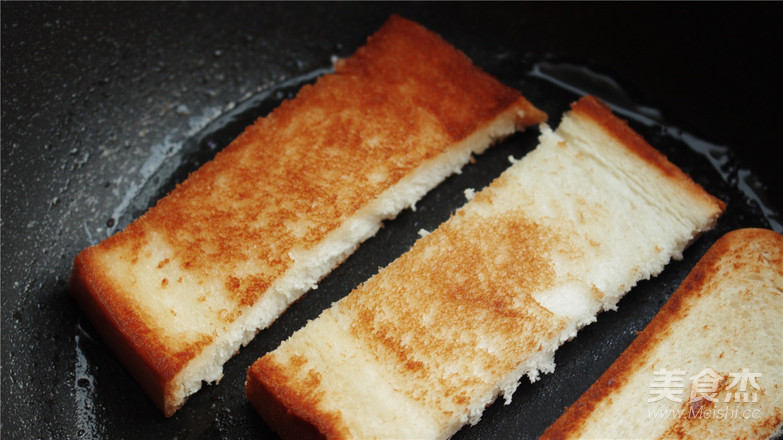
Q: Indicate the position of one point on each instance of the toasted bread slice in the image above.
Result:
(178, 292)
(718, 342)
(425, 345)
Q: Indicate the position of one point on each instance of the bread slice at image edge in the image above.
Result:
(422, 347)
(179, 291)
(725, 319)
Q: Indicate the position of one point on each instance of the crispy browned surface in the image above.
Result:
(599, 112)
(130, 338)
(284, 408)
(120, 328)
(730, 251)
(287, 182)
(465, 285)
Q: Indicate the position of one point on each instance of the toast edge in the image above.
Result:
(527, 113)
(599, 112)
(277, 404)
(120, 328)
(571, 422)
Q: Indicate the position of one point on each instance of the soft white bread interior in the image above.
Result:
(421, 348)
(709, 365)
(179, 291)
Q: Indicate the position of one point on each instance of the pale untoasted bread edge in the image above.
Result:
(599, 112)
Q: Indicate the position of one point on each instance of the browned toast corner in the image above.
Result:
(184, 286)
(286, 411)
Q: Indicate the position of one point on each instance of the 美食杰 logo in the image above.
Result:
(708, 389)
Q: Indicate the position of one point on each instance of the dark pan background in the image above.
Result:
(99, 97)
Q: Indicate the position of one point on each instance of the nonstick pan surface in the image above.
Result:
(106, 106)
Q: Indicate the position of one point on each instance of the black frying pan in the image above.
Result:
(105, 107)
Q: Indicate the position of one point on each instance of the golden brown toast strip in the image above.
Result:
(422, 347)
(725, 319)
(180, 289)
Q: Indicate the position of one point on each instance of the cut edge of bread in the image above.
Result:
(591, 117)
(599, 112)
(587, 111)
(669, 179)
